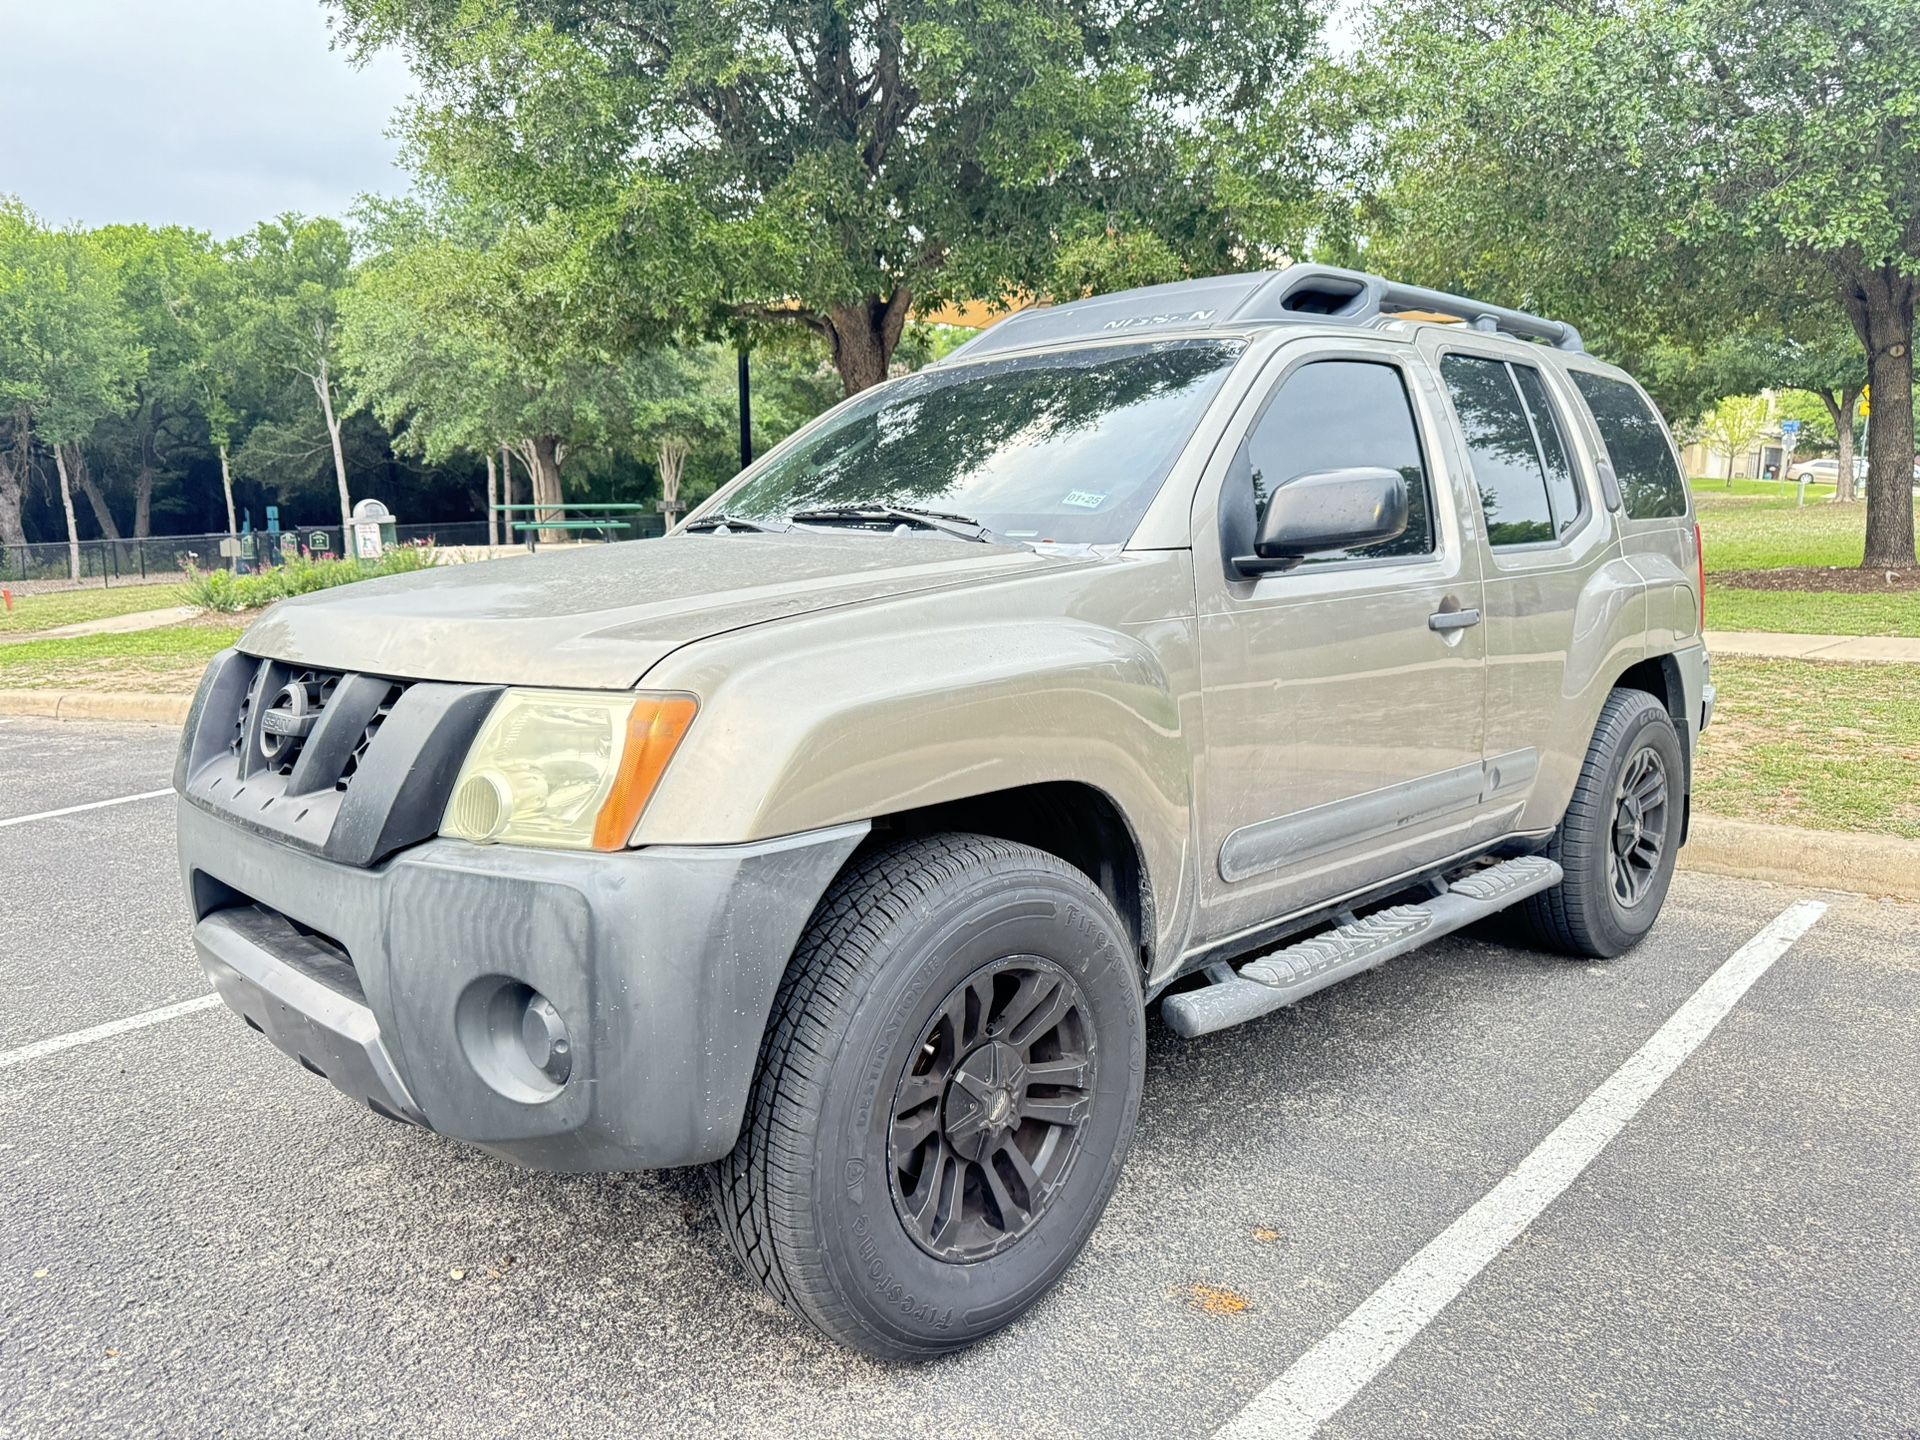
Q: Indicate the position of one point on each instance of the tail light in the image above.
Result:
(1700, 561)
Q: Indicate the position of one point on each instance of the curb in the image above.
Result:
(1788, 855)
(134, 706)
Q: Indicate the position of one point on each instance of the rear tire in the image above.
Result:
(1620, 836)
(946, 1088)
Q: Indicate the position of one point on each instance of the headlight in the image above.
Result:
(567, 768)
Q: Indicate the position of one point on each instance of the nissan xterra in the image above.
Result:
(1195, 646)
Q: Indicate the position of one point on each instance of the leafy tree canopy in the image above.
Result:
(1658, 170)
(835, 164)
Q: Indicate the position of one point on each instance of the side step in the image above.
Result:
(1295, 971)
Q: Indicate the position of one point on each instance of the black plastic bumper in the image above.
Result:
(662, 962)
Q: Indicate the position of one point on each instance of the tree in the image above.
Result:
(293, 272)
(453, 337)
(689, 404)
(67, 357)
(1735, 425)
(157, 276)
(1668, 170)
(833, 166)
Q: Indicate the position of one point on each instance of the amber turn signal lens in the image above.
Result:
(654, 731)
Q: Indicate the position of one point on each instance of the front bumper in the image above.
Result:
(662, 962)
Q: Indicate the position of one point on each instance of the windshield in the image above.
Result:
(1066, 447)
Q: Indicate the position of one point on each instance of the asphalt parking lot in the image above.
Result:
(199, 1238)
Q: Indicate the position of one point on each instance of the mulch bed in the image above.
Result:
(1851, 580)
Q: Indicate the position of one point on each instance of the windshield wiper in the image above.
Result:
(962, 527)
(737, 522)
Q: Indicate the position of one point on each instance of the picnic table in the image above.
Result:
(607, 529)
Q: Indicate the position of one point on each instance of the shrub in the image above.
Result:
(224, 591)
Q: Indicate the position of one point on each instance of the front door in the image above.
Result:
(1344, 700)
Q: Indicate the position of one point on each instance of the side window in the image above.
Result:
(1520, 465)
(1330, 415)
(1637, 444)
(1562, 488)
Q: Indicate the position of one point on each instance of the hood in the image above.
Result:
(601, 616)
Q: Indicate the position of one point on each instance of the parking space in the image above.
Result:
(201, 1238)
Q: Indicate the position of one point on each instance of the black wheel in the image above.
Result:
(1620, 835)
(947, 1086)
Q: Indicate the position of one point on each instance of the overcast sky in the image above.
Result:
(209, 113)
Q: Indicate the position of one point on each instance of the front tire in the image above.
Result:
(1620, 836)
(948, 1083)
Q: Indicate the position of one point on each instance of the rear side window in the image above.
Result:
(1637, 444)
(1331, 415)
(1562, 488)
(1504, 448)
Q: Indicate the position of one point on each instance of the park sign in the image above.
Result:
(319, 542)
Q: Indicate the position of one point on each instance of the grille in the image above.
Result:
(239, 740)
(374, 722)
(282, 707)
(302, 698)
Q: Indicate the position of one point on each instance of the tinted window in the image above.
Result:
(1562, 488)
(1068, 447)
(1637, 445)
(1507, 470)
(1330, 415)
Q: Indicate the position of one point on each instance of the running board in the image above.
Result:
(1295, 971)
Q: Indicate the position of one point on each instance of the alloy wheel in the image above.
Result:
(1639, 826)
(987, 1119)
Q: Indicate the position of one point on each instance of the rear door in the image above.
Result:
(1344, 700)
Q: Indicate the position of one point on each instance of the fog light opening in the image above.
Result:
(515, 1039)
(543, 1035)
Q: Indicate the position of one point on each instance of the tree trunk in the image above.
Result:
(493, 498)
(1840, 407)
(864, 336)
(66, 504)
(542, 454)
(1881, 305)
(673, 463)
(323, 387)
(233, 523)
(13, 474)
(97, 502)
(143, 502)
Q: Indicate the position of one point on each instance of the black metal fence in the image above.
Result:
(166, 559)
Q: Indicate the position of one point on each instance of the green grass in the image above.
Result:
(168, 659)
(70, 607)
(1813, 612)
(1829, 747)
(1780, 491)
(1769, 535)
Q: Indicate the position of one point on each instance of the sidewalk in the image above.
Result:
(112, 625)
(1887, 649)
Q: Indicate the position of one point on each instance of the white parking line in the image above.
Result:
(1336, 1369)
(42, 1048)
(90, 805)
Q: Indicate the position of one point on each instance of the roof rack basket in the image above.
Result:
(1355, 295)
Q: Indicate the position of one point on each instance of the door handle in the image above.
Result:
(1444, 620)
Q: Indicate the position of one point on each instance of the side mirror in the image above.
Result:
(1328, 510)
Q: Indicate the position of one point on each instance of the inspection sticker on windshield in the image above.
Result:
(1085, 499)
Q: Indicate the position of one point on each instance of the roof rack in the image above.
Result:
(1300, 292)
(1355, 295)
